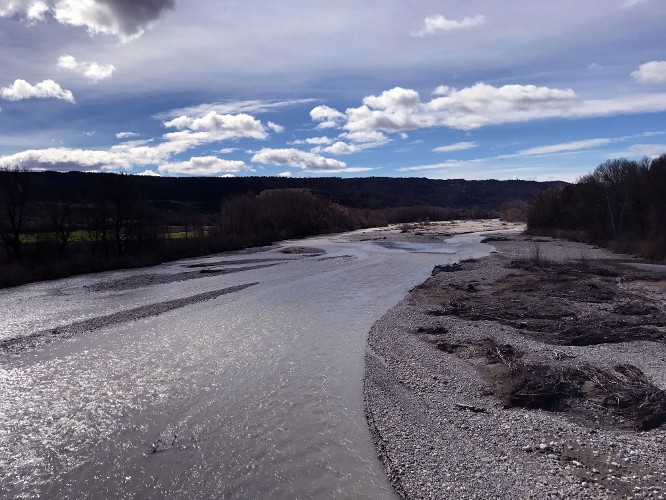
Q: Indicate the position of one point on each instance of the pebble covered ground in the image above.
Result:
(441, 430)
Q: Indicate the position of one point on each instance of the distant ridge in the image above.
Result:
(204, 194)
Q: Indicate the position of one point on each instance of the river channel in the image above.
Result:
(232, 376)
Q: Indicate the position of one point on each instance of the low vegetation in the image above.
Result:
(558, 305)
(52, 234)
(622, 397)
(563, 304)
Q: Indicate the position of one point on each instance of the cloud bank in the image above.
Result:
(399, 109)
(126, 19)
(296, 158)
(47, 89)
(190, 132)
(214, 127)
(203, 165)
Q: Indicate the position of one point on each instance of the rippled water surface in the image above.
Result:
(253, 393)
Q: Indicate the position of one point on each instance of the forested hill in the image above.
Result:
(204, 194)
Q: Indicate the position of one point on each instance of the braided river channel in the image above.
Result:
(237, 375)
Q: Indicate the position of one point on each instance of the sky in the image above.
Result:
(473, 89)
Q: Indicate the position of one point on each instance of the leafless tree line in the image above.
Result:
(621, 203)
(115, 227)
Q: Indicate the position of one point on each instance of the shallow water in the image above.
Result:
(252, 394)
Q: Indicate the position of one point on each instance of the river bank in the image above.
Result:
(537, 372)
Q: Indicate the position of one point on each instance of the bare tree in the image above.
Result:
(121, 195)
(61, 215)
(14, 205)
(96, 225)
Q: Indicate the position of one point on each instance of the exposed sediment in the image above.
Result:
(538, 372)
(18, 344)
(152, 279)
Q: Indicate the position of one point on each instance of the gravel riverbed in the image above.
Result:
(441, 375)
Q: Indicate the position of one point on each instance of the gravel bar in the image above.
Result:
(143, 280)
(18, 344)
(442, 431)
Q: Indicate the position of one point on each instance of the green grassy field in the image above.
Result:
(79, 236)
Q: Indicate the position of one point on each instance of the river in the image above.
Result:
(241, 381)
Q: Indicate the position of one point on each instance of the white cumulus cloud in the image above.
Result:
(366, 138)
(203, 165)
(65, 159)
(91, 70)
(240, 125)
(132, 153)
(439, 24)
(124, 155)
(400, 109)
(651, 72)
(47, 89)
(483, 104)
(326, 116)
(296, 158)
(341, 148)
(395, 110)
(214, 127)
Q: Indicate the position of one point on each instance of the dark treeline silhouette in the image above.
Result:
(54, 225)
(204, 194)
(621, 204)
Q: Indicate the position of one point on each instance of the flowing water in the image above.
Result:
(241, 381)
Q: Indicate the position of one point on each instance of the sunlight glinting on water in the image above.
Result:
(254, 393)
